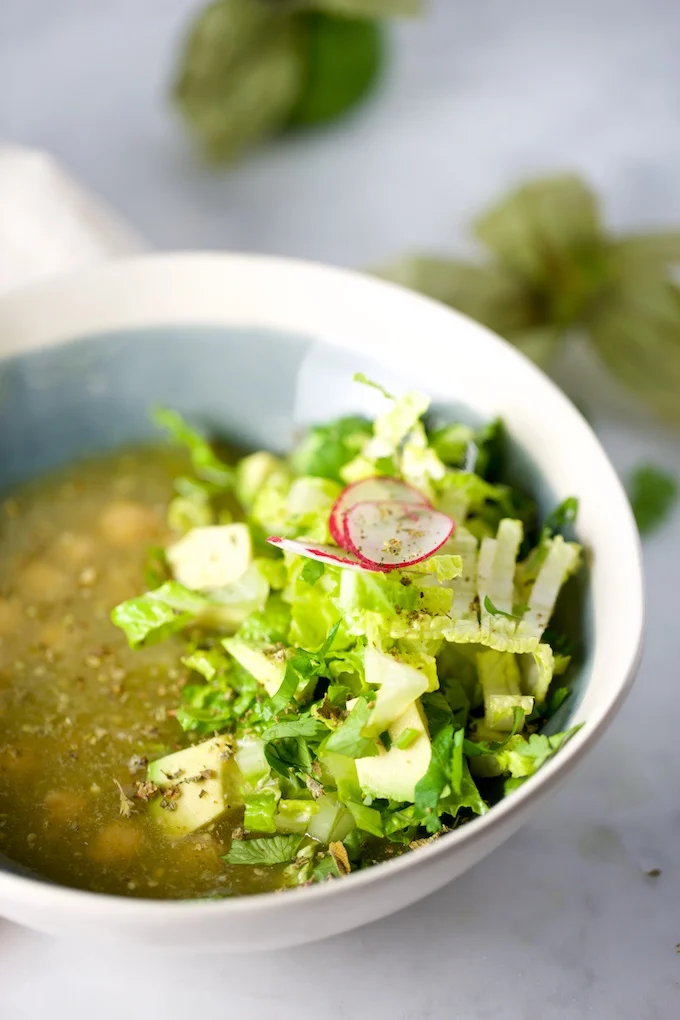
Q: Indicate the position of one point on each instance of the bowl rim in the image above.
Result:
(33, 305)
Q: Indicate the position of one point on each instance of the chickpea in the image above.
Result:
(17, 761)
(63, 805)
(73, 549)
(126, 523)
(117, 841)
(54, 635)
(42, 582)
(10, 617)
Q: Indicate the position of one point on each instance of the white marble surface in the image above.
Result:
(563, 921)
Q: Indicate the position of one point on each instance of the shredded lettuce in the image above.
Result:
(500, 679)
(366, 710)
(206, 463)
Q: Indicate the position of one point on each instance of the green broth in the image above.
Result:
(78, 708)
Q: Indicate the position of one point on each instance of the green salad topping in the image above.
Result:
(380, 671)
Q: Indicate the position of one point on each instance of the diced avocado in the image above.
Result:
(212, 557)
(200, 784)
(267, 665)
(499, 676)
(394, 774)
(252, 473)
(399, 684)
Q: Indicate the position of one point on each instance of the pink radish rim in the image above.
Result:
(323, 554)
(338, 510)
(414, 508)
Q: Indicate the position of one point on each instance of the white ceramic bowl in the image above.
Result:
(276, 340)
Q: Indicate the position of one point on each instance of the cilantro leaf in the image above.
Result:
(430, 788)
(653, 494)
(347, 739)
(518, 611)
(264, 852)
(305, 726)
(561, 518)
(467, 796)
(312, 571)
(302, 666)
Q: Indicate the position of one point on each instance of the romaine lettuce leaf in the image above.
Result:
(499, 676)
(158, 614)
(205, 461)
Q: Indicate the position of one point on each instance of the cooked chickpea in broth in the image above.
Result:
(80, 713)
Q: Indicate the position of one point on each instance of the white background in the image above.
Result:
(563, 921)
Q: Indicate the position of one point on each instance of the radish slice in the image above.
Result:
(384, 534)
(370, 490)
(324, 553)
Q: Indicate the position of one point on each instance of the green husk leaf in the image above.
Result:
(367, 8)
(493, 294)
(541, 227)
(539, 343)
(636, 332)
(343, 60)
(648, 250)
(242, 73)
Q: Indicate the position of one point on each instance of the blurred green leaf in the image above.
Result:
(367, 8)
(549, 231)
(241, 75)
(343, 59)
(552, 268)
(539, 344)
(653, 494)
(636, 332)
(649, 250)
(492, 294)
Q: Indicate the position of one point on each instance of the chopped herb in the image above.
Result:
(127, 807)
(264, 852)
(517, 614)
(312, 571)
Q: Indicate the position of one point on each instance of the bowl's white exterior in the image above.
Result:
(428, 343)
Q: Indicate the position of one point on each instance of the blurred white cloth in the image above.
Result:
(49, 224)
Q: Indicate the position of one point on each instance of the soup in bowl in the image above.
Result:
(328, 645)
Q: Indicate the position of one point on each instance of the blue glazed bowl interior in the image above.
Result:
(65, 402)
